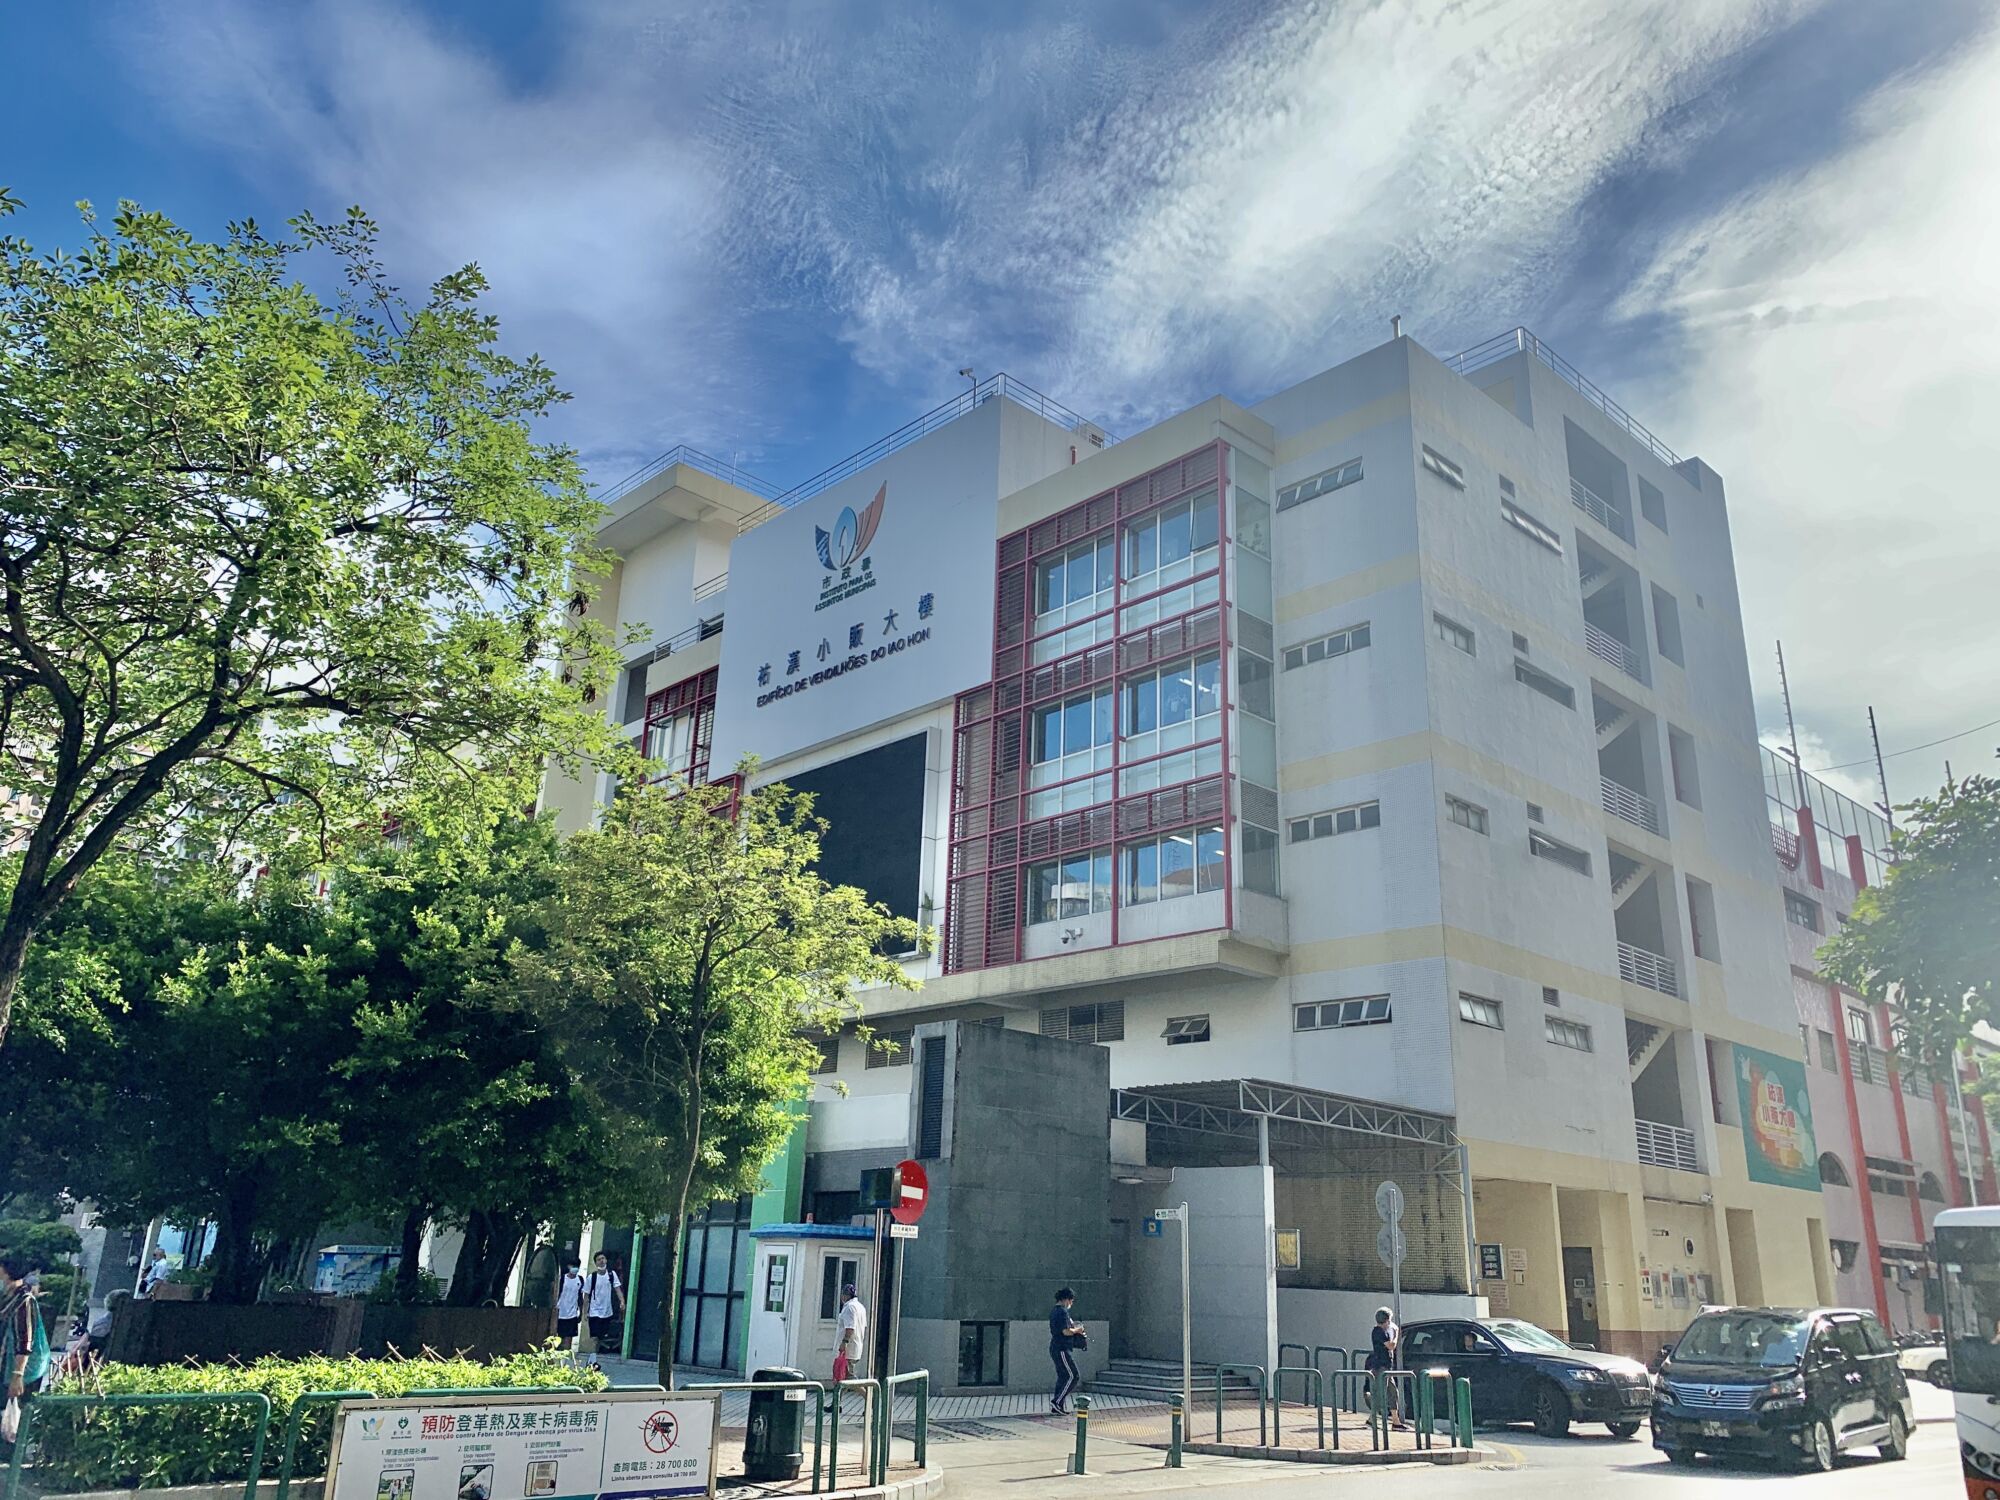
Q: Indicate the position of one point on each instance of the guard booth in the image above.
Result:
(795, 1298)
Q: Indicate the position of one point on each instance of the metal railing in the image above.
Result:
(1607, 647)
(1654, 970)
(1599, 509)
(1662, 1145)
(42, 1406)
(1634, 807)
(694, 458)
(708, 588)
(1518, 340)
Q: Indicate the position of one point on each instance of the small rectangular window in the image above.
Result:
(1566, 1033)
(1340, 643)
(1667, 625)
(982, 1353)
(1535, 813)
(1802, 911)
(1465, 814)
(1329, 1015)
(1454, 634)
(1566, 855)
(1829, 1051)
(1338, 477)
(1444, 468)
(1551, 995)
(1102, 1022)
(1182, 1030)
(1325, 825)
(1552, 688)
(827, 1045)
(1479, 1010)
(1652, 505)
(1520, 643)
(777, 1276)
(890, 1049)
(1528, 526)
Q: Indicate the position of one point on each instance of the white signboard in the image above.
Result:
(632, 1445)
(865, 602)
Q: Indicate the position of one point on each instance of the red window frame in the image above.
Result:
(691, 695)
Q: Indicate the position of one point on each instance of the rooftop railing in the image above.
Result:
(1520, 340)
(694, 458)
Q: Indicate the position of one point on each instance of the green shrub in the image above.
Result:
(152, 1447)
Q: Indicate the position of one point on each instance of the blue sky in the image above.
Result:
(775, 231)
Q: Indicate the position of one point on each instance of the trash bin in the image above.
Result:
(774, 1442)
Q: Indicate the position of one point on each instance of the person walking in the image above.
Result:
(569, 1303)
(1066, 1336)
(1382, 1348)
(604, 1301)
(24, 1346)
(850, 1337)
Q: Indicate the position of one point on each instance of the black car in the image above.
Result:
(1521, 1373)
(1803, 1384)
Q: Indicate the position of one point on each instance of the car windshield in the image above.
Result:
(1527, 1338)
(1743, 1338)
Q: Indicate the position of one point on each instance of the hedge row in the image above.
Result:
(150, 1447)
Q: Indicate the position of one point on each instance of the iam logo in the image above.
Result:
(371, 1427)
(843, 553)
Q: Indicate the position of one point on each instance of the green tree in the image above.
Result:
(270, 558)
(1927, 940)
(689, 951)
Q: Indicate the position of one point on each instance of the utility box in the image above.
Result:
(795, 1294)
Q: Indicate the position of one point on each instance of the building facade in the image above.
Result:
(1370, 772)
(1898, 1141)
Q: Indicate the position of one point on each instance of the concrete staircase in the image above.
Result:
(1157, 1379)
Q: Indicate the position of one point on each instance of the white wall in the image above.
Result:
(1344, 1319)
(1233, 1281)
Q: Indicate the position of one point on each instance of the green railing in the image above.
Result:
(871, 1390)
(920, 1431)
(1358, 1391)
(1305, 1356)
(1315, 1384)
(1263, 1438)
(41, 1405)
(295, 1425)
(1319, 1349)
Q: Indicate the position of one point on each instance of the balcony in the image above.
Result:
(1600, 510)
(1666, 1146)
(1622, 802)
(1655, 971)
(1607, 647)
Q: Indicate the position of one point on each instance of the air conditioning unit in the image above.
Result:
(1091, 433)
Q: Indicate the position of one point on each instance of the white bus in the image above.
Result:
(1968, 1253)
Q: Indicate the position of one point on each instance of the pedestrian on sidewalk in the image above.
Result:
(850, 1337)
(1066, 1336)
(604, 1304)
(1383, 1343)
(24, 1347)
(569, 1303)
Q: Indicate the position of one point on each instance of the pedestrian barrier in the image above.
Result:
(920, 1442)
(1302, 1350)
(1262, 1394)
(1358, 1391)
(295, 1424)
(1334, 1349)
(1082, 1434)
(871, 1390)
(41, 1405)
(1462, 1412)
(1426, 1383)
(819, 1401)
(1315, 1384)
(1177, 1430)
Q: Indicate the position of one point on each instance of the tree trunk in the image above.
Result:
(670, 1296)
(465, 1277)
(15, 935)
(413, 1249)
(238, 1267)
(502, 1245)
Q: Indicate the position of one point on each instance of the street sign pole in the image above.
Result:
(1389, 1241)
(895, 1305)
(1187, 1321)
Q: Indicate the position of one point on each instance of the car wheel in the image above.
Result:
(1681, 1456)
(1623, 1430)
(1939, 1375)
(1820, 1449)
(1897, 1444)
(1551, 1410)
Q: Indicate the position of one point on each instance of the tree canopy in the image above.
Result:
(270, 560)
(1927, 940)
(690, 949)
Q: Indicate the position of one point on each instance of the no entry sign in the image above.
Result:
(913, 1192)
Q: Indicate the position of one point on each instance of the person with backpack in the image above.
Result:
(603, 1302)
(569, 1303)
(24, 1346)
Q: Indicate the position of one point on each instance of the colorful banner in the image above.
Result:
(1777, 1120)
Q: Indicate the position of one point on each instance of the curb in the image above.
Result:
(917, 1487)
(1358, 1456)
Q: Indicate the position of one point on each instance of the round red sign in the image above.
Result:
(913, 1192)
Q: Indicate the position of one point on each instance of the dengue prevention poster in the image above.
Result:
(618, 1445)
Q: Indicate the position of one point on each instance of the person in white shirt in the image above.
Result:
(604, 1299)
(156, 1272)
(850, 1336)
(569, 1301)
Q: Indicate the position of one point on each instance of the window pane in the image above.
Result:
(1208, 859)
(1257, 693)
(1301, 830)
(1041, 894)
(1048, 733)
(1100, 718)
(1082, 582)
(1316, 651)
(1100, 883)
(1260, 860)
(1294, 658)
(1175, 535)
(1208, 684)
(1323, 826)
(1142, 874)
(1205, 516)
(1076, 725)
(1142, 549)
(1357, 637)
(1105, 550)
(1343, 821)
(1371, 815)
(1049, 586)
(1177, 694)
(1142, 706)
(1176, 865)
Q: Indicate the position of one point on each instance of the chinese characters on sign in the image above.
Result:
(1777, 1120)
(860, 655)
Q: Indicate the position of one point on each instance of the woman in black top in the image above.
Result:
(1064, 1333)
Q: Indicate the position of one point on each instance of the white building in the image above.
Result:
(1372, 771)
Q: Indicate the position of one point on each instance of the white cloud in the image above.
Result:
(1843, 373)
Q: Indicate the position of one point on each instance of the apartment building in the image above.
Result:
(1371, 772)
(1898, 1141)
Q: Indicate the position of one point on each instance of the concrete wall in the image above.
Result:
(1343, 1319)
(1233, 1293)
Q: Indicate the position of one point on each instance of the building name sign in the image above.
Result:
(795, 680)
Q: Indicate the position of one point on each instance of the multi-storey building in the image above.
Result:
(1898, 1141)
(1371, 771)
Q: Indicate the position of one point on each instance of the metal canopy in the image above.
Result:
(1232, 1107)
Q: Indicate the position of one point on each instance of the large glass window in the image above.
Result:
(1170, 545)
(715, 1273)
(1059, 889)
(1174, 864)
(1068, 740)
(1169, 709)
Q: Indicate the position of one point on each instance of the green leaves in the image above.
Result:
(1928, 939)
(272, 565)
